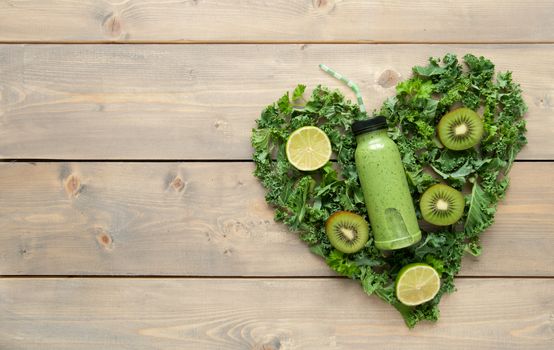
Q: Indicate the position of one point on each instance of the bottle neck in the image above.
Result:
(368, 136)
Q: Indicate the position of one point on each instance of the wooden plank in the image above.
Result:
(209, 219)
(284, 314)
(200, 101)
(277, 20)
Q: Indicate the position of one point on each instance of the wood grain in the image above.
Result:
(209, 219)
(283, 314)
(200, 101)
(276, 20)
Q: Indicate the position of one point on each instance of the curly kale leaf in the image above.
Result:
(480, 213)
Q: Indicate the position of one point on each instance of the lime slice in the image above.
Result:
(308, 148)
(416, 284)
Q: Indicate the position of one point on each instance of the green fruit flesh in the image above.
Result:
(347, 232)
(416, 284)
(460, 129)
(442, 205)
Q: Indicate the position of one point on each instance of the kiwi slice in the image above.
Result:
(460, 129)
(348, 232)
(442, 205)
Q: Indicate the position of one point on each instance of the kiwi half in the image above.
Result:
(460, 129)
(348, 232)
(442, 205)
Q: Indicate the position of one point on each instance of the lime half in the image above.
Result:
(308, 148)
(416, 284)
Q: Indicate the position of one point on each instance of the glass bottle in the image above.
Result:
(385, 187)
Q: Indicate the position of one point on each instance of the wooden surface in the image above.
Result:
(131, 219)
(200, 101)
(276, 20)
(284, 314)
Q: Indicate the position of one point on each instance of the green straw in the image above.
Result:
(348, 82)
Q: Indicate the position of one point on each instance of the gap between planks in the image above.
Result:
(236, 277)
(61, 160)
(281, 42)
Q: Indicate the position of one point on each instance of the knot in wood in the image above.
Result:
(72, 186)
(274, 344)
(388, 78)
(178, 184)
(103, 238)
(112, 26)
(320, 3)
(324, 7)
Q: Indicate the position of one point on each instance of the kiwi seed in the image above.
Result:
(442, 205)
(460, 129)
(347, 232)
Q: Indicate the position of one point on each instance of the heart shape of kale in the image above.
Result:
(304, 200)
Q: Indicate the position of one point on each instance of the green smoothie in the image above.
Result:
(383, 179)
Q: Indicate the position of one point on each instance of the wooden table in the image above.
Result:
(129, 216)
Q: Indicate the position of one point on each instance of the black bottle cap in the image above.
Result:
(362, 126)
